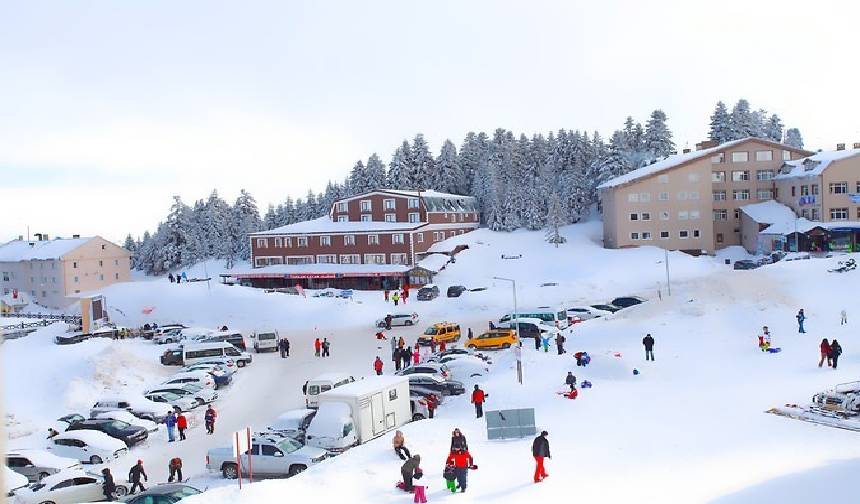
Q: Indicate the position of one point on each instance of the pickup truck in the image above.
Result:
(270, 456)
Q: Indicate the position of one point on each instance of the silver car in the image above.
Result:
(38, 464)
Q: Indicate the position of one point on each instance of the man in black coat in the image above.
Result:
(559, 343)
(409, 470)
(134, 475)
(108, 486)
(540, 450)
(570, 380)
(648, 342)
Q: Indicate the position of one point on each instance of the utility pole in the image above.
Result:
(517, 351)
(668, 284)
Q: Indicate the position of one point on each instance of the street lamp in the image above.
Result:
(518, 350)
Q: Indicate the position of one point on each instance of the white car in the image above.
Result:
(203, 395)
(465, 366)
(202, 378)
(265, 340)
(585, 313)
(125, 416)
(67, 487)
(38, 464)
(399, 319)
(135, 404)
(88, 446)
(177, 401)
(12, 481)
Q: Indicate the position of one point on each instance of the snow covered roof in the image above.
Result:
(44, 458)
(813, 165)
(320, 269)
(434, 201)
(324, 225)
(94, 438)
(787, 227)
(769, 212)
(434, 262)
(29, 250)
(21, 300)
(366, 385)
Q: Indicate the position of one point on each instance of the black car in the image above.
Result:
(627, 301)
(172, 358)
(745, 264)
(428, 292)
(234, 339)
(455, 290)
(71, 419)
(525, 329)
(169, 493)
(425, 384)
(125, 432)
(606, 307)
(70, 339)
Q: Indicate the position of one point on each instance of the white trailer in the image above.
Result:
(358, 412)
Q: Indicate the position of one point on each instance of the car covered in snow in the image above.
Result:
(274, 457)
(137, 405)
(71, 486)
(459, 351)
(428, 292)
(606, 307)
(87, 446)
(125, 416)
(222, 374)
(429, 368)
(627, 301)
(201, 378)
(465, 366)
(293, 423)
(399, 319)
(129, 434)
(184, 403)
(36, 465)
(203, 395)
(63, 423)
(427, 384)
(167, 493)
(455, 291)
(70, 338)
(583, 313)
(12, 481)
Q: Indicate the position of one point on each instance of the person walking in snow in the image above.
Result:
(826, 353)
(559, 343)
(442, 346)
(416, 355)
(395, 298)
(395, 356)
(648, 343)
(399, 444)
(433, 345)
(326, 345)
(540, 450)
(835, 352)
(170, 277)
(170, 422)
(410, 470)
(478, 398)
(108, 485)
(174, 467)
(317, 347)
(844, 317)
(209, 419)
(404, 295)
(545, 342)
(462, 461)
(377, 366)
(458, 440)
(386, 295)
(134, 475)
(178, 279)
(800, 318)
(432, 404)
(388, 322)
(570, 380)
(450, 477)
(401, 342)
(181, 425)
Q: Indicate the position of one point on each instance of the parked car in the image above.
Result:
(527, 327)
(456, 291)
(12, 481)
(745, 264)
(71, 486)
(325, 293)
(168, 493)
(444, 331)
(134, 404)
(399, 319)
(426, 384)
(129, 434)
(172, 357)
(627, 301)
(428, 292)
(270, 457)
(345, 294)
(70, 339)
(293, 423)
(234, 338)
(171, 336)
(586, 312)
(125, 416)
(463, 366)
(175, 400)
(459, 351)
(203, 395)
(88, 446)
(265, 340)
(153, 333)
(36, 465)
(431, 368)
(221, 374)
(606, 307)
(201, 378)
(63, 423)
(494, 338)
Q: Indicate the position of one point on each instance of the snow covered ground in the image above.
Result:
(690, 428)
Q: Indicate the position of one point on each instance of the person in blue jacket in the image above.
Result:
(170, 422)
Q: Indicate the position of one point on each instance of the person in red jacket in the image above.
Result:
(377, 365)
(826, 353)
(317, 346)
(462, 462)
(181, 424)
(478, 398)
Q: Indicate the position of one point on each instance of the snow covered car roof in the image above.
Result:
(12, 480)
(61, 476)
(330, 419)
(44, 458)
(125, 416)
(291, 419)
(93, 438)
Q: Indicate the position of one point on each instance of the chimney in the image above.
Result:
(75, 237)
(686, 151)
(840, 146)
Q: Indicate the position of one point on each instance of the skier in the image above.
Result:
(395, 297)
(826, 353)
(648, 342)
(399, 443)
(540, 450)
(170, 422)
(559, 343)
(175, 468)
(317, 346)
(209, 418)
(844, 317)
(800, 318)
(108, 485)
(134, 475)
(182, 425)
(462, 462)
(325, 348)
(410, 470)
(570, 380)
(458, 440)
(478, 398)
(377, 365)
(388, 322)
(835, 351)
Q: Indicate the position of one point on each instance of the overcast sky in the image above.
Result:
(108, 108)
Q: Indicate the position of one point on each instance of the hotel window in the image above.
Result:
(326, 259)
(279, 242)
(764, 174)
(816, 218)
(342, 218)
(765, 194)
(300, 260)
(452, 233)
(373, 239)
(694, 214)
(413, 202)
(76, 279)
(115, 277)
(664, 215)
(718, 176)
(693, 177)
(793, 190)
(816, 215)
(741, 194)
(663, 179)
(804, 213)
(839, 214)
(365, 218)
(390, 217)
(721, 214)
(646, 216)
(461, 218)
(398, 258)
(664, 235)
(646, 235)
(682, 195)
(719, 158)
(419, 237)
(101, 263)
(683, 234)
(302, 241)
(101, 277)
(289, 242)
(397, 238)
(349, 239)
(634, 216)
(633, 198)
(261, 243)
(719, 195)
(644, 197)
(814, 189)
(804, 190)
(694, 195)
(740, 157)
(764, 155)
(786, 155)
(839, 188)
(683, 215)
(374, 258)
(6, 276)
(438, 236)
(388, 204)
(719, 237)
(325, 241)
(634, 236)
(341, 206)
(740, 175)
(663, 196)
(366, 205)
(737, 213)
(453, 217)
(858, 187)
(350, 259)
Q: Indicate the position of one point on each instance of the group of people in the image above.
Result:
(397, 296)
(402, 354)
(831, 352)
(322, 348)
(177, 421)
(284, 347)
(457, 465)
(178, 278)
(135, 474)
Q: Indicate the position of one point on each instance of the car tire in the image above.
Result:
(296, 469)
(240, 363)
(408, 322)
(95, 460)
(121, 491)
(230, 471)
(42, 476)
(417, 416)
(47, 502)
(506, 345)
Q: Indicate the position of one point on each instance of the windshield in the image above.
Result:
(119, 424)
(430, 331)
(561, 315)
(289, 445)
(232, 351)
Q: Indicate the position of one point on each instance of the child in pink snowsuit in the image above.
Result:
(416, 356)
(420, 496)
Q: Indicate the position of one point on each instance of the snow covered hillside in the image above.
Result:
(689, 428)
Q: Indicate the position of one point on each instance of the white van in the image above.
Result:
(265, 340)
(550, 316)
(205, 351)
(322, 383)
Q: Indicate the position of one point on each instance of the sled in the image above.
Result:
(774, 350)
(835, 419)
